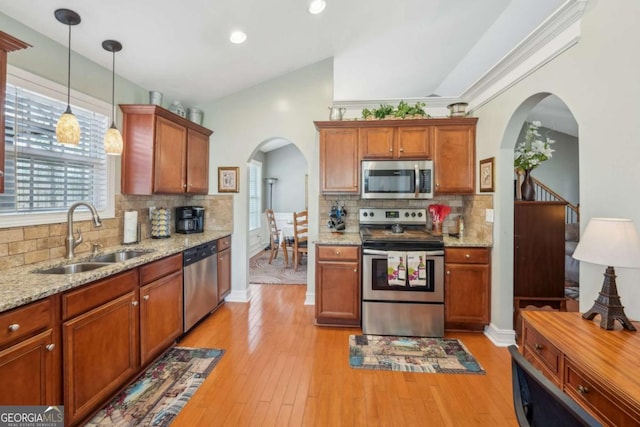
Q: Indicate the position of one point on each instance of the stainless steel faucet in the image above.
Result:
(71, 242)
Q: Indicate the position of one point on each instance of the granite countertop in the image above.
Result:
(466, 241)
(329, 238)
(22, 285)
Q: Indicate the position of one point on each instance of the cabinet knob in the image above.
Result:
(448, 272)
(355, 270)
(467, 256)
(146, 297)
(391, 150)
(401, 149)
(50, 347)
(538, 347)
(337, 252)
(1, 174)
(14, 327)
(582, 389)
(134, 303)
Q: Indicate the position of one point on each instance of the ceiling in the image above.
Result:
(182, 49)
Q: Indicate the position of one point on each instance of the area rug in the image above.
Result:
(157, 397)
(276, 273)
(409, 354)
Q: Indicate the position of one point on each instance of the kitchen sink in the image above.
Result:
(78, 267)
(119, 256)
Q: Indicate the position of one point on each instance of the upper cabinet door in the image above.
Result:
(377, 142)
(413, 142)
(197, 163)
(454, 159)
(170, 157)
(339, 160)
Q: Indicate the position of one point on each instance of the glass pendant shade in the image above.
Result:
(68, 129)
(113, 138)
(113, 141)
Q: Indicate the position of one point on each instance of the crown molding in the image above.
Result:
(552, 37)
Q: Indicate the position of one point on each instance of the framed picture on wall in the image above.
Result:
(228, 179)
(486, 175)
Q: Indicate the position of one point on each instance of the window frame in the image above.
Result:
(27, 80)
(258, 164)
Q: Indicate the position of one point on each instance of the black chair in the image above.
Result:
(539, 402)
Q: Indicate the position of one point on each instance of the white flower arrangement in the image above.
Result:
(533, 150)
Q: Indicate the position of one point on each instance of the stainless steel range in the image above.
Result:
(402, 274)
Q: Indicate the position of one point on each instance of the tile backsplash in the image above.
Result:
(471, 207)
(36, 243)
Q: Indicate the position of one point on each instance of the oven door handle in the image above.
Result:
(385, 253)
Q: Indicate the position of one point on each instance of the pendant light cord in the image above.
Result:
(113, 90)
(69, 71)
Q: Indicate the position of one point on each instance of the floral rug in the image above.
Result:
(276, 273)
(157, 397)
(409, 354)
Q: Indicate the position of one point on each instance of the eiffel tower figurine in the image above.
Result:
(608, 305)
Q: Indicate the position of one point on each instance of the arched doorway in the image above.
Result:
(277, 180)
(546, 229)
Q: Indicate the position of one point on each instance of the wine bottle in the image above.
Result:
(422, 270)
(402, 271)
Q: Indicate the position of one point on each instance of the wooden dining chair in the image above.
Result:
(300, 229)
(274, 234)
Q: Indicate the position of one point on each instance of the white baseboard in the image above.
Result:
(500, 337)
(239, 296)
(310, 298)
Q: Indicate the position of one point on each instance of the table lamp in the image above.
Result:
(610, 242)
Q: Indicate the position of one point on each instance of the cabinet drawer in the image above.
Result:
(93, 295)
(592, 396)
(543, 350)
(467, 255)
(23, 321)
(224, 243)
(338, 253)
(157, 269)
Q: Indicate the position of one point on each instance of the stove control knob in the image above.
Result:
(406, 214)
(413, 214)
(365, 214)
(419, 214)
(371, 214)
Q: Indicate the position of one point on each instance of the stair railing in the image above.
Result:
(546, 194)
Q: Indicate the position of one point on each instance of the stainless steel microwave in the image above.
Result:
(397, 179)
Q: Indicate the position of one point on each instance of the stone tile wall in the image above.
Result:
(36, 243)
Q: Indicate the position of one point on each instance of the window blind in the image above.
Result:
(40, 174)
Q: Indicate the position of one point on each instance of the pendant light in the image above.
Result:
(113, 137)
(68, 128)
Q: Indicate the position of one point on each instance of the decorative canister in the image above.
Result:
(178, 108)
(195, 115)
(155, 97)
(161, 223)
(457, 109)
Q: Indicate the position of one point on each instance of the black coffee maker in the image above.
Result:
(189, 219)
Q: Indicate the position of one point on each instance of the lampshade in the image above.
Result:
(68, 128)
(113, 138)
(113, 141)
(610, 241)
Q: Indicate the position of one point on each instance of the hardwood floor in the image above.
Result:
(281, 370)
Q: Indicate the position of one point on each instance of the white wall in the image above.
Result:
(598, 81)
(285, 108)
(289, 166)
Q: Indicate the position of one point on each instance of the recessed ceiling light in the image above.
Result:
(317, 6)
(238, 37)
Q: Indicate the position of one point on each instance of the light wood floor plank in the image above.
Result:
(280, 369)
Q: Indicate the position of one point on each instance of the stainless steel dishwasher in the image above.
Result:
(200, 265)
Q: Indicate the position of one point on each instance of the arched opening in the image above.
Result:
(277, 181)
(546, 223)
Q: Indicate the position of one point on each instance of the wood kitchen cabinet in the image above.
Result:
(163, 153)
(161, 310)
(100, 342)
(401, 142)
(7, 44)
(467, 285)
(224, 268)
(30, 354)
(338, 298)
(454, 157)
(339, 158)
